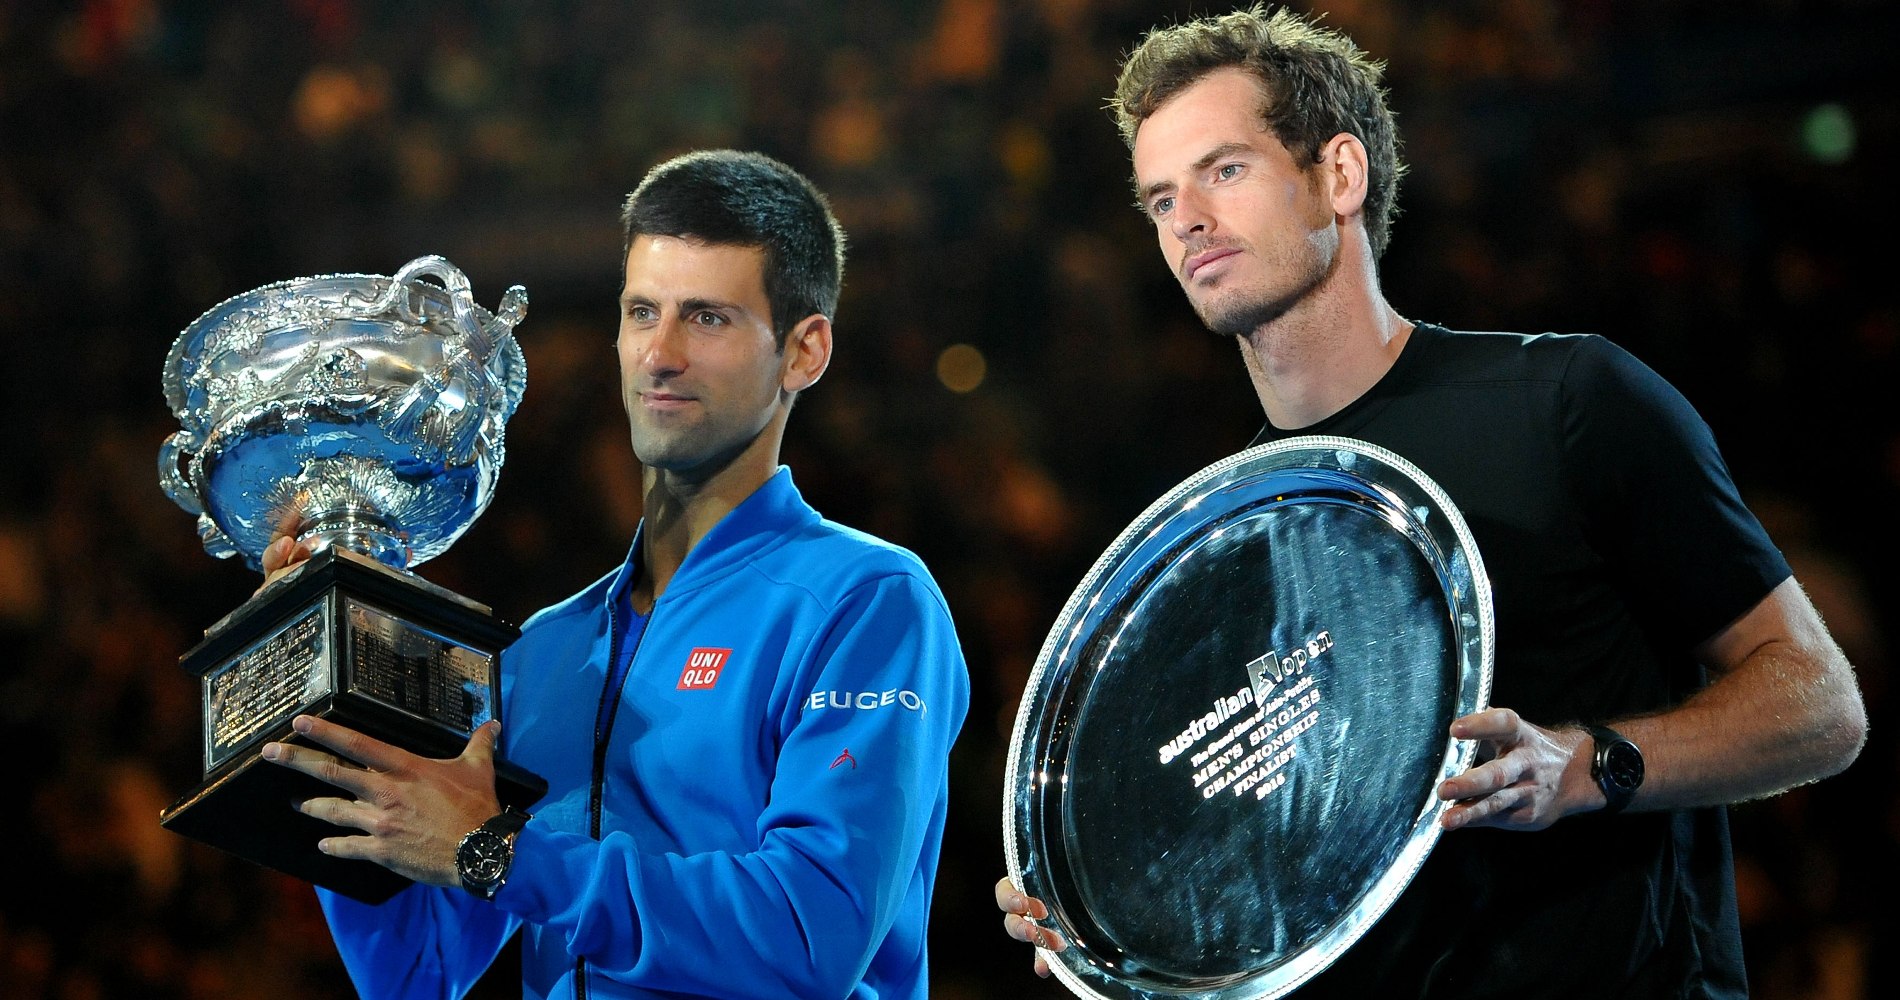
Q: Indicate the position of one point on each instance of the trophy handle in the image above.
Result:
(512, 310)
(171, 455)
(479, 341)
(461, 300)
(467, 359)
(455, 436)
(217, 542)
(506, 363)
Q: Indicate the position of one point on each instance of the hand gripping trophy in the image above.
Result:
(365, 415)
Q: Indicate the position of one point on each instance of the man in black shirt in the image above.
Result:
(1639, 603)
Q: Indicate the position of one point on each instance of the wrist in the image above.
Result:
(1579, 792)
(1616, 766)
(486, 854)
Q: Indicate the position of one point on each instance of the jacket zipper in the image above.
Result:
(610, 704)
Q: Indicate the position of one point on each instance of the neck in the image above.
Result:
(680, 507)
(1318, 357)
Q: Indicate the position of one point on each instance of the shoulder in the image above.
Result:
(1578, 372)
(831, 561)
(1486, 356)
(582, 604)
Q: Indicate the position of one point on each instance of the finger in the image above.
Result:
(289, 524)
(1018, 928)
(1010, 899)
(274, 554)
(283, 552)
(1033, 933)
(1459, 787)
(1042, 966)
(367, 751)
(1485, 779)
(339, 812)
(1498, 809)
(1490, 724)
(353, 848)
(273, 562)
(281, 556)
(320, 766)
(1048, 940)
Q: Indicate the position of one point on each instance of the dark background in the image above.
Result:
(1707, 183)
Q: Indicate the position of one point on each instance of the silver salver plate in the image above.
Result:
(1223, 768)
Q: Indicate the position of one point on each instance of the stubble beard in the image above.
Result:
(1249, 309)
(1241, 319)
(692, 451)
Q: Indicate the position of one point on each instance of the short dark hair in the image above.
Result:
(728, 197)
(1318, 84)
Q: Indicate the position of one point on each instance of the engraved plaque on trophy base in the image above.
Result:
(349, 640)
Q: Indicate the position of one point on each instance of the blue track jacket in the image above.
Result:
(775, 782)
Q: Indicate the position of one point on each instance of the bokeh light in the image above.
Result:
(961, 368)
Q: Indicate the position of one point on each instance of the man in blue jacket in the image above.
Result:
(745, 727)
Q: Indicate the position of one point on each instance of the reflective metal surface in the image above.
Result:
(368, 413)
(369, 408)
(277, 676)
(1223, 767)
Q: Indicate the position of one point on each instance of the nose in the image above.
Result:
(660, 350)
(1190, 216)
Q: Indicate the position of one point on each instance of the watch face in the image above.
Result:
(1623, 765)
(484, 857)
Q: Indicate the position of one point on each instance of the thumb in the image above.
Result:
(481, 745)
(276, 553)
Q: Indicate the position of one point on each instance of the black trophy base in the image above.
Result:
(379, 641)
(249, 810)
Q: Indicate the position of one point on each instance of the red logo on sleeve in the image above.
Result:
(702, 668)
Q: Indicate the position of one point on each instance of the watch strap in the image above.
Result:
(503, 827)
(508, 822)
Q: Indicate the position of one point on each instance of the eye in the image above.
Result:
(640, 313)
(1228, 171)
(1161, 206)
(707, 317)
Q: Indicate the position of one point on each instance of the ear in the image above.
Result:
(1346, 171)
(807, 354)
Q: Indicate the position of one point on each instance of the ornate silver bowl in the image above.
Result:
(360, 411)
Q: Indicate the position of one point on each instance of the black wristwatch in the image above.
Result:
(488, 851)
(1617, 767)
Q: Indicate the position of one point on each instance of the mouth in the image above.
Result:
(664, 401)
(1206, 258)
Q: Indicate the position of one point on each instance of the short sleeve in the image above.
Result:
(1658, 500)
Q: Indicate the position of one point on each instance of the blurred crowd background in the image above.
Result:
(1708, 183)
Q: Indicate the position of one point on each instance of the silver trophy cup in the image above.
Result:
(364, 415)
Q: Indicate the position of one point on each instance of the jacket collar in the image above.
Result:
(761, 522)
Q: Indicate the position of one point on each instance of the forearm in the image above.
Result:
(422, 944)
(1786, 713)
(1784, 710)
(791, 919)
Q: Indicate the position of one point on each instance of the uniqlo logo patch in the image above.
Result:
(702, 668)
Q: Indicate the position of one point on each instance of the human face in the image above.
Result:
(701, 374)
(1245, 230)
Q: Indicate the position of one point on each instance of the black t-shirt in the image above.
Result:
(1615, 542)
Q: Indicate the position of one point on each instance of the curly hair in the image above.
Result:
(1317, 84)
